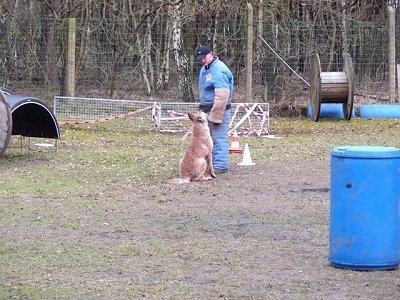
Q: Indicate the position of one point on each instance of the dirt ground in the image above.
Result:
(257, 232)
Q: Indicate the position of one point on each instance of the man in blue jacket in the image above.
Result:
(216, 93)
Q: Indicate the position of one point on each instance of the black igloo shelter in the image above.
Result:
(31, 117)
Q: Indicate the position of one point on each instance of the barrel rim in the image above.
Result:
(366, 151)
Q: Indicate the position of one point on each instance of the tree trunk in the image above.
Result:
(85, 35)
(50, 66)
(184, 75)
(333, 40)
(12, 39)
(143, 48)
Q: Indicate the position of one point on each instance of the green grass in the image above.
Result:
(87, 159)
(91, 158)
(95, 219)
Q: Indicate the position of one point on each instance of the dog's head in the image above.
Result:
(200, 117)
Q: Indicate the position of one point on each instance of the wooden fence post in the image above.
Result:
(398, 82)
(392, 56)
(71, 57)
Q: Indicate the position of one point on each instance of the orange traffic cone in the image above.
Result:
(235, 145)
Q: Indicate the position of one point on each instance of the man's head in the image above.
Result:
(202, 53)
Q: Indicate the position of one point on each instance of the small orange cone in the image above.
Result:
(235, 145)
(246, 160)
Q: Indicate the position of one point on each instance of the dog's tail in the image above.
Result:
(179, 180)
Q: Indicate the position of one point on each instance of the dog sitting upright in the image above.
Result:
(198, 156)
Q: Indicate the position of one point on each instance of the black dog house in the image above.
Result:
(31, 117)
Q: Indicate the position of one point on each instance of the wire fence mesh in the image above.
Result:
(123, 51)
(133, 115)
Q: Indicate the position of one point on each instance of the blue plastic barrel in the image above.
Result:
(364, 226)
(329, 110)
(380, 111)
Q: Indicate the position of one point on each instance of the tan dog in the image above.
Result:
(198, 155)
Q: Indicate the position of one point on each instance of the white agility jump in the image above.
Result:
(246, 118)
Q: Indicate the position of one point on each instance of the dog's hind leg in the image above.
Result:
(200, 167)
(204, 177)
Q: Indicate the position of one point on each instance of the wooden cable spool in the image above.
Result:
(5, 123)
(331, 87)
